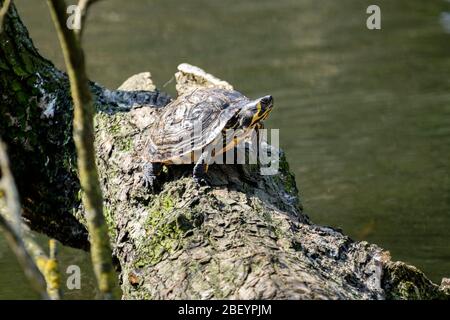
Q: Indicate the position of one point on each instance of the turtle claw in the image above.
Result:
(201, 181)
(149, 179)
(148, 182)
(200, 169)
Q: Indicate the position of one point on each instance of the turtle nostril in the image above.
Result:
(267, 100)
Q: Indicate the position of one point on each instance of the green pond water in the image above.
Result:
(364, 116)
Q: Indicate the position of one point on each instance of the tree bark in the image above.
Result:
(246, 236)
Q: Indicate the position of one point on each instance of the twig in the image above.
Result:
(26, 262)
(12, 230)
(3, 10)
(10, 191)
(83, 6)
(52, 274)
(48, 266)
(83, 132)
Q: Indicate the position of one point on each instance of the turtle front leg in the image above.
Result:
(201, 168)
(149, 173)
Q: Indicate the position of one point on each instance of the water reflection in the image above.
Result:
(445, 21)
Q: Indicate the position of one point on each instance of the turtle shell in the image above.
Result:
(191, 122)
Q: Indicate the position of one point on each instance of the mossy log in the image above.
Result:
(245, 236)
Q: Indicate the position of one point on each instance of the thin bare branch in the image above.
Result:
(3, 11)
(83, 133)
(83, 6)
(10, 191)
(11, 225)
(52, 274)
(48, 265)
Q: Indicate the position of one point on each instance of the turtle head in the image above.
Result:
(253, 113)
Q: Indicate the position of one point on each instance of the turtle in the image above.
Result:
(185, 128)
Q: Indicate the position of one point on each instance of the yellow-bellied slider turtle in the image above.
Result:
(186, 127)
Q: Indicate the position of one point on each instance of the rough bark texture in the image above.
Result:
(244, 237)
(35, 122)
(83, 136)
